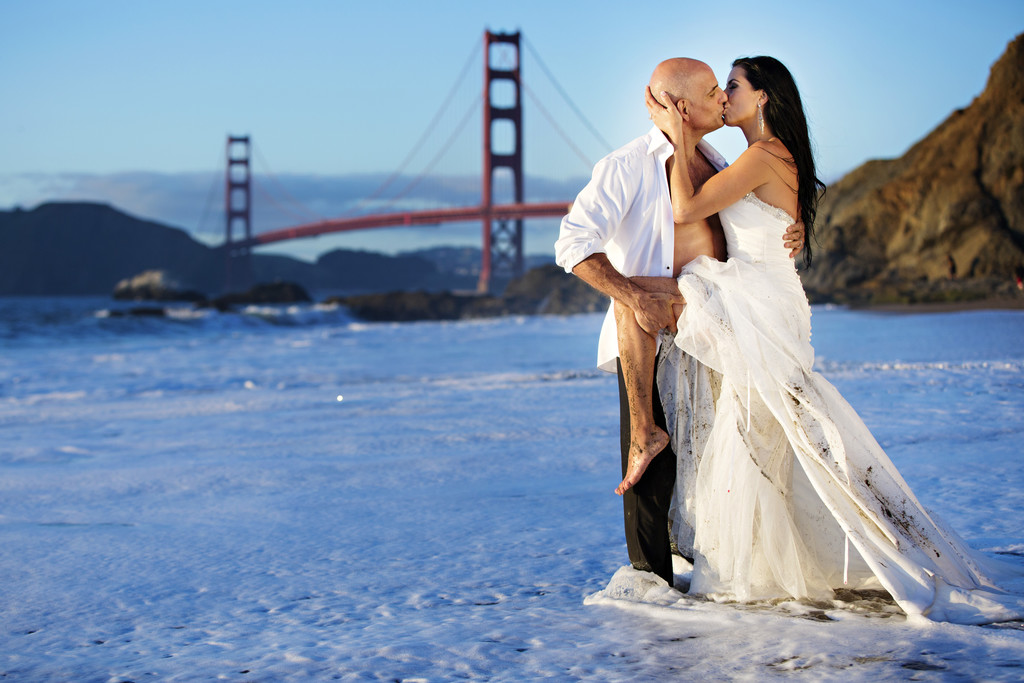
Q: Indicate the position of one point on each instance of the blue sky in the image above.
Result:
(130, 102)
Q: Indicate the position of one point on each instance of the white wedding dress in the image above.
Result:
(784, 492)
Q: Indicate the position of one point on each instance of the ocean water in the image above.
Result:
(287, 493)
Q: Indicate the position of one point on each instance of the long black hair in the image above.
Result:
(785, 114)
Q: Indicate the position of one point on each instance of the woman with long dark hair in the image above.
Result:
(792, 496)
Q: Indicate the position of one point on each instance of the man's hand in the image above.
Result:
(794, 238)
(650, 298)
(654, 307)
(665, 115)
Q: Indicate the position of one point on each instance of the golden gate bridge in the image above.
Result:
(502, 224)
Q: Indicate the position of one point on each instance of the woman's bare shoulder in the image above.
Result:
(775, 155)
(771, 148)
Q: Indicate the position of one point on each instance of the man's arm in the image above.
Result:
(590, 223)
(653, 310)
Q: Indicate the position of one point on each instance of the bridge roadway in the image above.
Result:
(390, 220)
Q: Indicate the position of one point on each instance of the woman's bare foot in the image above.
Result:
(642, 450)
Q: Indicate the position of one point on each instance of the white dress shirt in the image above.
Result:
(625, 212)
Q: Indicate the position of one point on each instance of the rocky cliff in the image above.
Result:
(887, 230)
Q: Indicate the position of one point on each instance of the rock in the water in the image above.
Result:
(267, 293)
(545, 290)
(139, 312)
(406, 306)
(555, 292)
(154, 285)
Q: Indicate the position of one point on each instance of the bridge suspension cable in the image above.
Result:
(473, 55)
(474, 107)
(264, 194)
(299, 209)
(536, 100)
(565, 96)
(216, 184)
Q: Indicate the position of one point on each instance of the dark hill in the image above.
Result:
(370, 271)
(78, 248)
(85, 248)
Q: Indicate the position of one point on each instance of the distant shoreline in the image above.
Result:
(996, 304)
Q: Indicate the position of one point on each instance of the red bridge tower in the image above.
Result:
(238, 209)
(502, 245)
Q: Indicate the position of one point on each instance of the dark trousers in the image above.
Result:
(645, 506)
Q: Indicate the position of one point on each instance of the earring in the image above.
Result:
(760, 119)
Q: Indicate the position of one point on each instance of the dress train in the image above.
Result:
(785, 492)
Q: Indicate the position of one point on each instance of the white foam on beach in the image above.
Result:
(201, 506)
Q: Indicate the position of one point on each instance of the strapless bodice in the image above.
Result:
(754, 230)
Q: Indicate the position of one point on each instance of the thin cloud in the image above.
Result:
(195, 201)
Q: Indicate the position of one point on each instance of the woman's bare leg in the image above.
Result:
(637, 351)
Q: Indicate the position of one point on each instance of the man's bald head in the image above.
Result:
(679, 78)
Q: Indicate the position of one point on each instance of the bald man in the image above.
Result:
(619, 238)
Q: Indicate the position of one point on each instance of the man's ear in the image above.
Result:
(683, 106)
